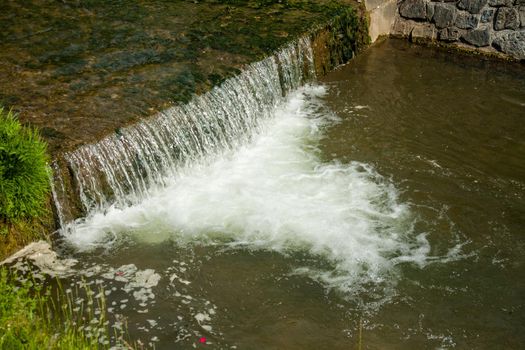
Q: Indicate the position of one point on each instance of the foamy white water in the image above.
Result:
(275, 193)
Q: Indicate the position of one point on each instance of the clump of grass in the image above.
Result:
(24, 174)
(33, 318)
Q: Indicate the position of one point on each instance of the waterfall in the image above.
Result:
(123, 168)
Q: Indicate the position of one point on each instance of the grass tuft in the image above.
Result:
(24, 174)
(34, 318)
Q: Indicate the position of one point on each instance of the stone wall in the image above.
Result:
(496, 26)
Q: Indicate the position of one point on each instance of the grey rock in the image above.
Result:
(423, 31)
(511, 43)
(415, 9)
(465, 20)
(449, 34)
(487, 15)
(497, 3)
(444, 15)
(520, 2)
(472, 6)
(521, 11)
(507, 18)
(478, 37)
(402, 28)
(430, 10)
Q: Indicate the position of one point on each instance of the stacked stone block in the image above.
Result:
(486, 24)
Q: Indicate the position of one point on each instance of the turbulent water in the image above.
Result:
(275, 193)
(370, 208)
(239, 166)
(123, 168)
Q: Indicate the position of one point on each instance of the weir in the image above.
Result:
(123, 168)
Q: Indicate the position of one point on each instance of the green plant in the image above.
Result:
(24, 174)
(35, 318)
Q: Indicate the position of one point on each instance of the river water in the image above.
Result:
(380, 207)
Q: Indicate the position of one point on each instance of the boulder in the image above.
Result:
(478, 37)
(497, 3)
(444, 15)
(449, 34)
(507, 18)
(414, 9)
(465, 20)
(430, 10)
(521, 11)
(511, 43)
(422, 32)
(487, 15)
(472, 6)
(402, 27)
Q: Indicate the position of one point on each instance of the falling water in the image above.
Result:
(240, 162)
(125, 167)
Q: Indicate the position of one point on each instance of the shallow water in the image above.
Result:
(384, 206)
(79, 70)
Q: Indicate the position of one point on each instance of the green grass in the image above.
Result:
(35, 318)
(24, 185)
(24, 174)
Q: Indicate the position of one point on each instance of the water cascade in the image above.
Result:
(239, 167)
(123, 168)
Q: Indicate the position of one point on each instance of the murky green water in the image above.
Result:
(387, 211)
(450, 133)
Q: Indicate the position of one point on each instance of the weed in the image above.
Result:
(24, 174)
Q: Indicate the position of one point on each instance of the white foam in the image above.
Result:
(277, 194)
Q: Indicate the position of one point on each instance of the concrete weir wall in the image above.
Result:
(489, 26)
(84, 71)
(113, 167)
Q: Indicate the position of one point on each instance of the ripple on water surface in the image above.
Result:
(383, 201)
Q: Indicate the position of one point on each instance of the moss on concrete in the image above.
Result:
(81, 69)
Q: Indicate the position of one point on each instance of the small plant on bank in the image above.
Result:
(24, 176)
(33, 317)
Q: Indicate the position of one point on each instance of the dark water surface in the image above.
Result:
(387, 212)
(450, 132)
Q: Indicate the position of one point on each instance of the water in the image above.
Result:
(448, 132)
(122, 168)
(374, 200)
(78, 70)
